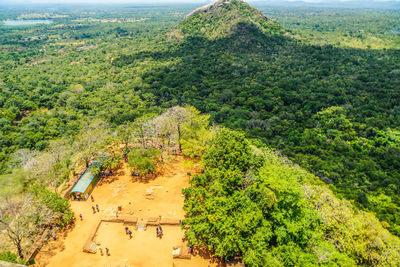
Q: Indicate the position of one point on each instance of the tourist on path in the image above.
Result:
(80, 216)
(97, 208)
(91, 197)
(101, 251)
(94, 210)
(159, 232)
(130, 234)
(107, 252)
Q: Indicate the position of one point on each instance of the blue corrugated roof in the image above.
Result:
(88, 177)
(84, 182)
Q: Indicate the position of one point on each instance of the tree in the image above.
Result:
(22, 219)
(143, 160)
(13, 184)
(21, 157)
(125, 133)
(183, 126)
(111, 161)
(196, 133)
(90, 139)
(269, 220)
(228, 149)
(10, 257)
(168, 125)
(60, 149)
(49, 167)
(143, 128)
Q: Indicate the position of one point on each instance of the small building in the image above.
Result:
(89, 179)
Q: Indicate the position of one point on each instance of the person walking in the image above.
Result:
(94, 210)
(107, 252)
(126, 230)
(80, 216)
(97, 208)
(91, 197)
(101, 251)
(161, 232)
(130, 234)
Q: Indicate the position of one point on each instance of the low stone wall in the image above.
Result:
(182, 252)
(170, 221)
(88, 248)
(153, 221)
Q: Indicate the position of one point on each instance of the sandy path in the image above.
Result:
(144, 249)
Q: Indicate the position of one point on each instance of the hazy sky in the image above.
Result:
(163, 1)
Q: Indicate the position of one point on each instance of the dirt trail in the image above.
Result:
(144, 249)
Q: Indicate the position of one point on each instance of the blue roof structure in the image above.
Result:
(88, 176)
(84, 182)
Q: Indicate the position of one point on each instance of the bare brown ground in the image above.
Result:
(144, 249)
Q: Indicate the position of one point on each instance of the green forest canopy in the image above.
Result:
(249, 203)
(330, 106)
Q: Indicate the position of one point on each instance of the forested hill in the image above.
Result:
(333, 110)
(224, 17)
(94, 78)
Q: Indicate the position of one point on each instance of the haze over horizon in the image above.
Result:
(336, 2)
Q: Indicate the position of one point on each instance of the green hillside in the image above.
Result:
(298, 135)
(334, 111)
(225, 17)
(252, 204)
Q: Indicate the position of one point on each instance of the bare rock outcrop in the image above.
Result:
(213, 6)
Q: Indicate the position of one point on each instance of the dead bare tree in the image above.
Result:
(143, 129)
(168, 124)
(22, 157)
(59, 149)
(22, 219)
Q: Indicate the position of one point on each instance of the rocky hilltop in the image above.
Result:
(211, 7)
(224, 17)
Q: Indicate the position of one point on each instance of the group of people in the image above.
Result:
(128, 232)
(107, 252)
(105, 173)
(159, 232)
(94, 208)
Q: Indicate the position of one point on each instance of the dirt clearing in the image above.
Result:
(158, 197)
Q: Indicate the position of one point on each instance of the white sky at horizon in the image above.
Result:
(163, 1)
